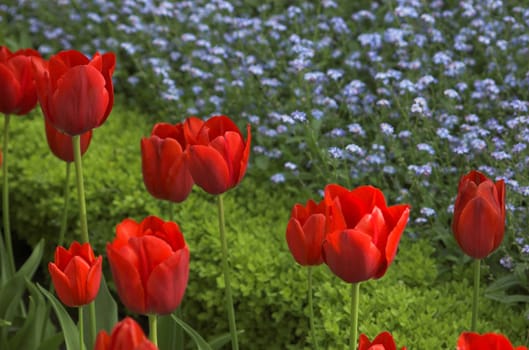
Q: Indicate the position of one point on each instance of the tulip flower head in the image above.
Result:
(150, 265)
(75, 93)
(488, 341)
(305, 232)
(76, 274)
(218, 156)
(17, 85)
(383, 341)
(126, 335)
(366, 245)
(165, 164)
(479, 214)
(61, 144)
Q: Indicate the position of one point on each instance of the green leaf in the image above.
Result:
(218, 342)
(5, 273)
(199, 341)
(32, 263)
(106, 308)
(52, 343)
(29, 336)
(106, 313)
(14, 288)
(69, 329)
(166, 332)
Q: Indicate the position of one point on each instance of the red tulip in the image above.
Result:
(61, 144)
(150, 265)
(17, 86)
(488, 341)
(219, 156)
(76, 274)
(479, 214)
(383, 341)
(126, 335)
(165, 162)
(368, 244)
(76, 94)
(306, 230)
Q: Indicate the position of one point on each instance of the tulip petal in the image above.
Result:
(488, 341)
(394, 237)
(62, 286)
(127, 279)
(209, 169)
(480, 228)
(351, 255)
(93, 281)
(80, 100)
(167, 283)
(305, 243)
(77, 273)
(10, 90)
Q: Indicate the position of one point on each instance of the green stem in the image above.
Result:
(226, 272)
(81, 328)
(477, 264)
(178, 331)
(355, 301)
(76, 140)
(311, 310)
(64, 219)
(92, 315)
(5, 199)
(153, 329)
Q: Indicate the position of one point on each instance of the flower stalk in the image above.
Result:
(226, 273)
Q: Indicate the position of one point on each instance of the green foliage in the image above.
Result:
(424, 304)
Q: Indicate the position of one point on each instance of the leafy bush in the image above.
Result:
(422, 303)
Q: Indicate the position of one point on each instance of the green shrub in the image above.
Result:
(423, 308)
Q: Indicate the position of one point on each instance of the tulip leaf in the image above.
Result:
(106, 313)
(30, 334)
(5, 273)
(221, 340)
(106, 308)
(69, 329)
(167, 335)
(52, 343)
(199, 341)
(32, 263)
(14, 288)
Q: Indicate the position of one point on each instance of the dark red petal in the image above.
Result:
(10, 90)
(79, 101)
(209, 169)
(93, 281)
(62, 286)
(394, 237)
(386, 340)
(168, 281)
(77, 274)
(127, 279)
(351, 255)
(479, 229)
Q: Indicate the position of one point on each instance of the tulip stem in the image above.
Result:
(177, 330)
(76, 140)
(81, 328)
(311, 310)
(153, 329)
(477, 265)
(226, 272)
(64, 220)
(355, 301)
(5, 200)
